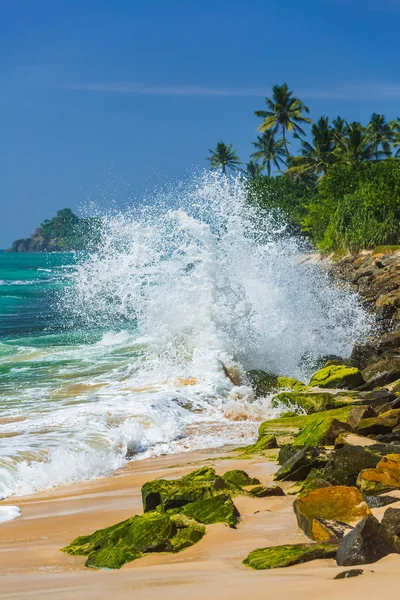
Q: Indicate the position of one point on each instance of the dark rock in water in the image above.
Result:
(262, 491)
(298, 466)
(262, 383)
(349, 573)
(112, 547)
(380, 501)
(335, 503)
(391, 521)
(367, 543)
(219, 509)
(345, 464)
(285, 556)
(376, 425)
(239, 478)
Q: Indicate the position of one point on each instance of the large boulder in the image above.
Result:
(384, 477)
(299, 464)
(337, 376)
(391, 521)
(285, 556)
(112, 547)
(335, 503)
(367, 543)
(345, 464)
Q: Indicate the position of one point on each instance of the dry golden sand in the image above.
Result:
(32, 566)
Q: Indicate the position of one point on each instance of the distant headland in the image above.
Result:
(64, 232)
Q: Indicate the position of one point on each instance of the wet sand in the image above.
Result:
(32, 566)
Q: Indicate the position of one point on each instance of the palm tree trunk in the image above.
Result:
(223, 166)
(284, 139)
(269, 168)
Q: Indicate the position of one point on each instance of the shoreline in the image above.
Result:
(32, 565)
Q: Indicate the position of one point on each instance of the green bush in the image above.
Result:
(357, 206)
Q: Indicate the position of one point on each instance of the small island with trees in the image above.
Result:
(63, 233)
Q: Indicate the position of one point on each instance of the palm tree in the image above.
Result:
(395, 128)
(356, 145)
(253, 169)
(338, 130)
(284, 113)
(380, 134)
(223, 156)
(269, 150)
(318, 156)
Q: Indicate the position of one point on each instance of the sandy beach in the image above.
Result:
(32, 566)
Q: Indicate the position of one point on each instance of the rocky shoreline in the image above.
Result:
(337, 445)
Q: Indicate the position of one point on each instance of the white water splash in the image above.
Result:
(194, 280)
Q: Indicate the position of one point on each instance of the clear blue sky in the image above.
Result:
(102, 99)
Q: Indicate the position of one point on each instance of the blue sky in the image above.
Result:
(103, 99)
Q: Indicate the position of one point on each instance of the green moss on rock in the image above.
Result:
(238, 479)
(263, 491)
(124, 542)
(290, 425)
(220, 509)
(337, 376)
(285, 556)
(321, 432)
(267, 442)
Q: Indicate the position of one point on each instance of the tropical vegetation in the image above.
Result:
(340, 188)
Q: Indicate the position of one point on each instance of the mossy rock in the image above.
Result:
(267, 442)
(289, 383)
(376, 425)
(290, 425)
(285, 556)
(335, 503)
(384, 477)
(263, 491)
(314, 481)
(321, 432)
(112, 547)
(166, 495)
(346, 463)
(170, 494)
(219, 509)
(239, 479)
(299, 464)
(309, 402)
(337, 376)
